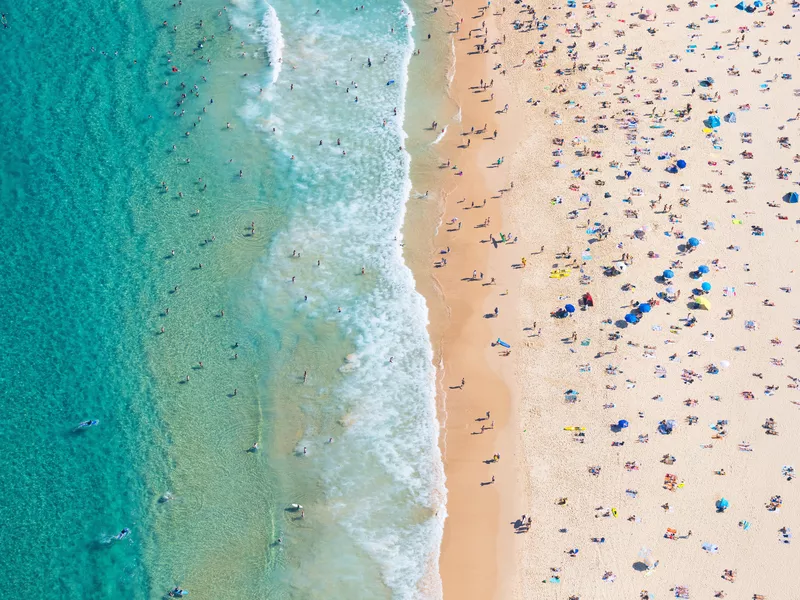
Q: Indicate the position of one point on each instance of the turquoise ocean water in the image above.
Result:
(171, 176)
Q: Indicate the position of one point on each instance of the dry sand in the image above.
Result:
(664, 368)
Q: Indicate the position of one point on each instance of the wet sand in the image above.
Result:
(477, 552)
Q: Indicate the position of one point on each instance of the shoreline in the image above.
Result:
(476, 556)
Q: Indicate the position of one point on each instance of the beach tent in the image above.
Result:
(668, 274)
(713, 121)
(705, 286)
(702, 269)
(694, 242)
(758, 4)
(722, 505)
(666, 427)
(645, 308)
(703, 303)
(588, 300)
(792, 198)
(740, 6)
(730, 117)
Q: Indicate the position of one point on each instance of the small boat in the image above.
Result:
(295, 507)
(123, 534)
(166, 497)
(89, 423)
(178, 593)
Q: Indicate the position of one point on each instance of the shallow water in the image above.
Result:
(90, 273)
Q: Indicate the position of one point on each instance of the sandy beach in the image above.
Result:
(477, 556)
(646, 430)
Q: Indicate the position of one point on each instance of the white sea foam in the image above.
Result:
(272, 37)
(383, 479)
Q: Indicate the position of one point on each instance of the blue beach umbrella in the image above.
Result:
(631, 318)
(681, 164)
(622, 424)
(722, 504)
(703, 269)
(569, 308)
(694, 242)
(668, 274)
(705, 286)
(645, 308)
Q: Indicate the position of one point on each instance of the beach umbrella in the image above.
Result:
(724, 364)
(705, 286)
(722, 504)
(694, 242)
(703, 269)
(631, 318)
(681, 164)
(703, 302)
(668, 274)
(645, 308)
(569, 308)
(622, 424)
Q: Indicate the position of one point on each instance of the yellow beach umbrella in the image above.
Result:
(703, 302)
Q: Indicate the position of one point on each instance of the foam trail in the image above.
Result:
(440, 137)
(271, 36)
(380, 488)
